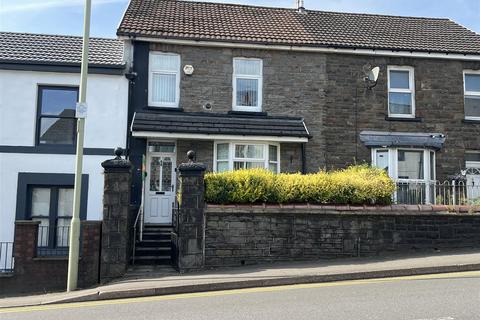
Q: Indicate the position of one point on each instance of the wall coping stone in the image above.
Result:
(20, 222)
(344, 209)
(91, 222)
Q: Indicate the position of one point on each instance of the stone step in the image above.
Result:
(154, 243)
(156, 236)
(153, 260)
(146, 251)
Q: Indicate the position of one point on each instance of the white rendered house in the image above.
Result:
(39, 79)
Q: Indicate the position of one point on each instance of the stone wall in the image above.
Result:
(35, 274)
(238, 235)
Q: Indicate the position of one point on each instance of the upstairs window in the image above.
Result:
(242, 155)
(56, 123)
(401, 92)
(472, 95)
(247, 84)
(164, 80)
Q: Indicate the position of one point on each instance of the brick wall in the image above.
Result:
(237, 235)
(34, 274)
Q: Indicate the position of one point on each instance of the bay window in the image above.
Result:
(472, 94)
(246, 155)
(164, 80)
(247, 84)
(401, 92)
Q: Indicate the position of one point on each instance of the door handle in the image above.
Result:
(160, 192)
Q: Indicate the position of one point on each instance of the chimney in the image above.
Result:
(300, 6)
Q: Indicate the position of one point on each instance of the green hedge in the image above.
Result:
(354, 185)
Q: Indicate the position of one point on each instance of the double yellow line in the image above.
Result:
(232, 292)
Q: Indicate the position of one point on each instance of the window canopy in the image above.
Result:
(402, 139)
(212, 126)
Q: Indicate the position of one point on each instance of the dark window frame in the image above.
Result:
(39, 115)
(29, 180)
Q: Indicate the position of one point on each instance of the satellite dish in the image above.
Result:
(373, 74)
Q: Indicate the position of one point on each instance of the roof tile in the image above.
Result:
(264, 25)
(58, 49)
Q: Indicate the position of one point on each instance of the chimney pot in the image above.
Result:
(300, 5)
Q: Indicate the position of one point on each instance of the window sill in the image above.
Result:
(248, 113)
(403, 119)
(169, 109)
(471, 121)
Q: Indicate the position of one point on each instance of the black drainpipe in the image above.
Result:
(304, 159)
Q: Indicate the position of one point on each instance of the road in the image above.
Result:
(452, 296)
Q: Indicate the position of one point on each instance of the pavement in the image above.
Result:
(446, 296)
(147, 281)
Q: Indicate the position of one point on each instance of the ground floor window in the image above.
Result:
(245, 155)
(412, 169)
(52, 206)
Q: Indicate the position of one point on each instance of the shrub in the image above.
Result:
(354, 185)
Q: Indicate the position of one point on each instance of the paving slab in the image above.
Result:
(150, 281)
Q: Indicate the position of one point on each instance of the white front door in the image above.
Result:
(160, 183)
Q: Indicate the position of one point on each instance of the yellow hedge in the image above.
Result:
(354, 185)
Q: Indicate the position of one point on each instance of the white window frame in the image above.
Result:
(469, 93)
(235, 75)
(150, 80)
(393, 163)
(232, 158)
(393, 167)
(411, 90)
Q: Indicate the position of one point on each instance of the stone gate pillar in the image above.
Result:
(189, 234)
(115, 225)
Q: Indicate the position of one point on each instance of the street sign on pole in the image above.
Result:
(74, 241)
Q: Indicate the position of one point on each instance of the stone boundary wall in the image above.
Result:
(34, 274)
(248, 234)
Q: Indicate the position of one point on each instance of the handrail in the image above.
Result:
(139, 214)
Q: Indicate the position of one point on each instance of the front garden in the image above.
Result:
(357, 185)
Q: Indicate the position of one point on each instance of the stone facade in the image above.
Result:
(34, 274)
(439, 108)
(328, 90)
(189, 227)
(241, 235)
(117, 219)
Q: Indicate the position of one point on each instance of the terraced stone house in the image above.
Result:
(292, 90)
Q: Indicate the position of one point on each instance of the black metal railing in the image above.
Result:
(53, 241)
(6, 257)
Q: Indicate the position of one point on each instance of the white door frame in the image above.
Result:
(169, 195)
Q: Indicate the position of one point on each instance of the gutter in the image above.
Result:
(354, 51)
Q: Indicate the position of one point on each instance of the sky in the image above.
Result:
(66, 16)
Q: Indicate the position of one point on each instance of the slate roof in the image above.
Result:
(212, 123)
(402, 139)
(280, 26)
(58, 50)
